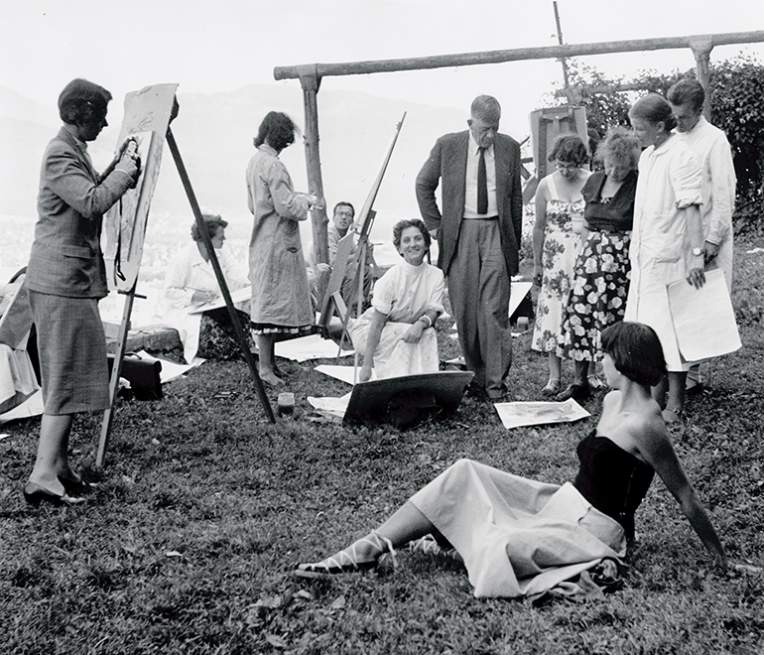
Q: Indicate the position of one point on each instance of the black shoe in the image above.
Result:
(575, 391)
(34, 494)
(477, 392)
(694, 389)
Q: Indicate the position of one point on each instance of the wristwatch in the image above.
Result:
(697, 252)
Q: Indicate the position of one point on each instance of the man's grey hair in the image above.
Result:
(486, 108)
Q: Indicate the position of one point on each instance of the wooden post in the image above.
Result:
(563, 61)
(517, 54)
(310, 82)
(701, 50)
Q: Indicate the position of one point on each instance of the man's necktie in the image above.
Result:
(482, 185)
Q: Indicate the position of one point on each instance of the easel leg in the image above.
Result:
(108, 415)
(360, 270)
(242, 337)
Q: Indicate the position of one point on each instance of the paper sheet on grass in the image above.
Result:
(519, 414)
(304, 349)
(240, 298)
(171, 370)
(330, 405)
(704, 321)
(344, 373)
(32, 406)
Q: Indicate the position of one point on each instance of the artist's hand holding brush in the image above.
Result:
(126, 160)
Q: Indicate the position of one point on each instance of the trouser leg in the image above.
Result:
(493, 309)
(463, 283)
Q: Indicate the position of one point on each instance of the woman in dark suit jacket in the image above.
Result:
(66, 278)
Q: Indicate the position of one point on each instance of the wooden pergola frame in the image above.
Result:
(310, 76)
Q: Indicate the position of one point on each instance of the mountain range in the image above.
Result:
(214, 132)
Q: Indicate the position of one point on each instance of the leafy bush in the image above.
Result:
(737, 87)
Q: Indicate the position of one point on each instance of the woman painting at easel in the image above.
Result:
(66, 278)
(280, 291)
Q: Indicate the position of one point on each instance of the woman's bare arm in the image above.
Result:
(655, 447)
(378, 320)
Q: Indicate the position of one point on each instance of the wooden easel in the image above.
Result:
(142, 101)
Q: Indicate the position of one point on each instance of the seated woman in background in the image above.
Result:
(519, 536)
(18, 379)
(191, 283)
(601, 274)
(396, 334)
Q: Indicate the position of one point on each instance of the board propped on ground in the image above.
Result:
(378, 401)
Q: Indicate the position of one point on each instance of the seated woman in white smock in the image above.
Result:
(18, 380)
(396, 334)
(191, 284)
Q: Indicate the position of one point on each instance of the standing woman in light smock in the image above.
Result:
(667, 237)
(280, 291)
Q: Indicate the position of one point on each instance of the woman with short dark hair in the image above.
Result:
(601, 273)
(280, 291)
(517, 536)
(66, 278)
(556, 241)
(396, 334)
(667, 239)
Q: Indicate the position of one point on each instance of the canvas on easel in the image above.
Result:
(147, 117)
(148, 114)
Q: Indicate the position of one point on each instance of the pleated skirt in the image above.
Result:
(72, 350)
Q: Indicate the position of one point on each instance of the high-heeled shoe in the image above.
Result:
(34, 494)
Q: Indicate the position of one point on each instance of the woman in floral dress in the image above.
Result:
(601, 274)
(556, 242)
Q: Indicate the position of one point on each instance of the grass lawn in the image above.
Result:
(187, 545)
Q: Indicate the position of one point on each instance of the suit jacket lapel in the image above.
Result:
(501, 159)
(81, 155)
(460, 170)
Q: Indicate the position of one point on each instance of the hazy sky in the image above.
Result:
(226, 44)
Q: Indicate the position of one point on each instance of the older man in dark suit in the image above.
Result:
(479, 232)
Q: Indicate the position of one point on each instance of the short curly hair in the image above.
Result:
(277, 130)
(410, 222)
(654, 108)
(570, 149)
(636, 351)
(82, 101)
(212, 222)
(621, 146)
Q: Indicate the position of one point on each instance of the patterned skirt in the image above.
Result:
(280, 330)
(598, 295)
(217, 336)
(561, 246)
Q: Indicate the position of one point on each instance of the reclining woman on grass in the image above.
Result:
(519, 536)
(396, 333)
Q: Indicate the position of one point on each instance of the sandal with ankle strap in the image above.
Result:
(429, 546)
(346, 561)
